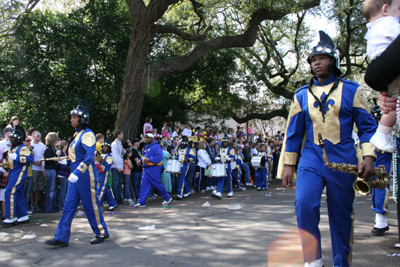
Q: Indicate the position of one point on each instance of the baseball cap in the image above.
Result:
(150, 135)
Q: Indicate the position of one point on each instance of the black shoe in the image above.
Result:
(379, 231)
(56, 243)
(98, 240)
(5, 225)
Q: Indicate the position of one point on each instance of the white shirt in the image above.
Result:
(4, 145)
(203, 158)
(381, 34)
(187, 132)
(38, 150)
(253, 152)
(117, 155)
(174, 134)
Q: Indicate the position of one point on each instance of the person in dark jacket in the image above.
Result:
(50, 168)
(63, 173)
(246, 162)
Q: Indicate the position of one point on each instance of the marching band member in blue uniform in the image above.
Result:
(19, 158)
(82, 181)
(103, 191)
(236, 172)
(380, 197)
(226, 157)
(152, 165)
(187, 156)
(328, 105)
(262, 171)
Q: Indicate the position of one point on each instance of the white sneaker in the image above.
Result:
(316, 263)
(230, 194)
(249, 184)
(140, 205)
(131, 202)
(166, 202)
(208, 188)
(212, 187)
(383, 142)
(23, 219)
(186, 195)
(192, 191)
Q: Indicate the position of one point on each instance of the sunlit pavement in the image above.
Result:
(253, 228)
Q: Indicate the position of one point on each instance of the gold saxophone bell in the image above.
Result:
(361, 186)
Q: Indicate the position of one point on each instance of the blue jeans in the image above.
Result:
(27, 190)
(127, 186)
(246, 170)
(63, 191)
(117, 184)
(50, 197)
(136, 180)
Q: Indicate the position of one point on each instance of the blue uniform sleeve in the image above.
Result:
(88, 142)
(191, 154)
(107, 163)
(155, 156)
(24, 156)
(365, 123)
(294, 133)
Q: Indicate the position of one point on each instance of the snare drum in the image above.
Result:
(169, 166)
(218, 170)
(176, 166)
(256, 162)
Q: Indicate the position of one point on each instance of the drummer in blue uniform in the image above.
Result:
(82, 181)
(187, 156)
(227, 155)
(236, 172)
(19, 158)
(103, 190)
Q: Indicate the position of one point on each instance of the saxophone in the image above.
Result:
(361, 186)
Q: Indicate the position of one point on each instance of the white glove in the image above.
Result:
(12, 156)
(2, 170)
(227, 158)
(73, 178)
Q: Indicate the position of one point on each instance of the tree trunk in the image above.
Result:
(135, 82)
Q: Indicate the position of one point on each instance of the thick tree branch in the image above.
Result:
(176, 65)
(283, 112)
(175, 30)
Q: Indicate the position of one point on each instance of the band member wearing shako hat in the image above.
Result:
(329, 106)
(82, 180)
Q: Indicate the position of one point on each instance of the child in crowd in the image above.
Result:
(127, 176)
(176, 132)
(156, 136)
(148, 129)
(99, 141)
(383, 27)
(165, 134)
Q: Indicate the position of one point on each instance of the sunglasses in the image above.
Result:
(27, 140)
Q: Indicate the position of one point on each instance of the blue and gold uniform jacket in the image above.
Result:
(267, 157)
(238, 159)
(19, 166)
(107, 162)
(227, 151)
(345, 106)
(81, 152)
(153, 152)
(187, 153)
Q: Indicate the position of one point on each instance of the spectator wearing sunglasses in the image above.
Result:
(38, 181)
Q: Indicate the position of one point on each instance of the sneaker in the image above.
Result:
(112, 207)
(105, 204)
(203, 191)
(178, 197)
(212, 187)
(166, 202)
(131, 202)
(383, 141)
(208, 188)
(230, 194)
(192, 191)
(24, 219)
(254, 186)
(249, 184)
(9, 222)
(186, 195)
(379, 231)
(155, 195)
(138, 205)
(29, 211)
(258, 188)
(216, 195)
(316, 263)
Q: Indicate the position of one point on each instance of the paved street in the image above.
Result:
(262, 232)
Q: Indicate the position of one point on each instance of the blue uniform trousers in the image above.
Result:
(340, 197)
(103, 190)
(152, 177)
(235, 175)
(183, 186)
(226, 179)
(261, 177)
(380, 197)
(15, 199)
(85, 189)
